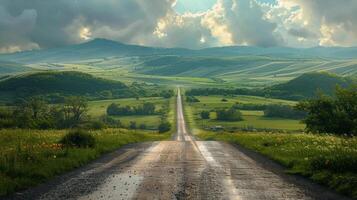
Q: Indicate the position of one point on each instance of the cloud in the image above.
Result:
(301, 33)
(229, 22)
(56, 23)
(334, 22)
(31, 24)
(13, 30)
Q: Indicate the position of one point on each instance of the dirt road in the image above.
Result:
(180, 169)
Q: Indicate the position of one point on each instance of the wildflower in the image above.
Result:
(54, 156)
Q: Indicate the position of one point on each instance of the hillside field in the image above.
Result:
(252, 119)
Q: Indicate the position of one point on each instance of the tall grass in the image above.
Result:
(327, 159)
(29, 157)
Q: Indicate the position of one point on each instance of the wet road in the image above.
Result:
(180, 169)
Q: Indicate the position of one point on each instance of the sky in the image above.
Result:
(39, 24)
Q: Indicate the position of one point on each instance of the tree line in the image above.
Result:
(38, 114)
(145, 109)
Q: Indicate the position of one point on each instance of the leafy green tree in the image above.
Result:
(33, 113)
(205, 114)
(283, 111)
(148, 108)
(192, 99)
(230, 114)
(164, 126)
(332, 115)
(74, 110)
(132, 125)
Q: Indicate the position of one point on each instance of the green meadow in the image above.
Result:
(326, 159)
(98, 109)
(30, 157)
(252, 119)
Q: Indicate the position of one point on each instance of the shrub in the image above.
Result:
(192, 99)
(205, 114)
(164, 127)
(231, 114)
(142, 126)
(132, 125)
(283, 111)
(78, 138)
(110, 121)
(97, 125)
(224, 100)
(332, 115)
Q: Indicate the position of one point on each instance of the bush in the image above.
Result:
(78, 138)
(231, 114)
(205, 114)
(145, 109)
(283, 111)
(332, 115)
(132, 125)
(192, 99)
(110, 121)
(142, 126)
(164, 127)
(224, 100)
(97, 125)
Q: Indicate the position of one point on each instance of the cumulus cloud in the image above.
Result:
(13, 30)
(55, 23)
(31, 24)
(248, 24)
(334, 22)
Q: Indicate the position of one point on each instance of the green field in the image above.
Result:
(326, 159)
(98, 108)
(30, 157)
(252, 119)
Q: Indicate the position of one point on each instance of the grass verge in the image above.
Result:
(326, 159)
(30, 157)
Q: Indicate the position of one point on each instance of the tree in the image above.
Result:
(283, 111)
(192, 99)
(164, 126)
(230, 114)
(205, 114)
(332, 115)
(148, 108)
(132, 125)
(74, 110)
(33, 113)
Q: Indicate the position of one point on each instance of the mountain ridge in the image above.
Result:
(103, 48)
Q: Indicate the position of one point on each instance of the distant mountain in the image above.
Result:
(63, 83)
(98, 48)
(7, 67)
(102, 48)
(308, 85)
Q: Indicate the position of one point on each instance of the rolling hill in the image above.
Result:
(59, 83)
(7, 67)
(102, 48)
(237, 65)
(308, 85)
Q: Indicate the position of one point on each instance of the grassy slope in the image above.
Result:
(307, 85)
(31, 157)
(61, 82)
(196, 71)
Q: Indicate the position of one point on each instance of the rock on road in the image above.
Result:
(179, 169)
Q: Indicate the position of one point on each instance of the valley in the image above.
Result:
(138, 109)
